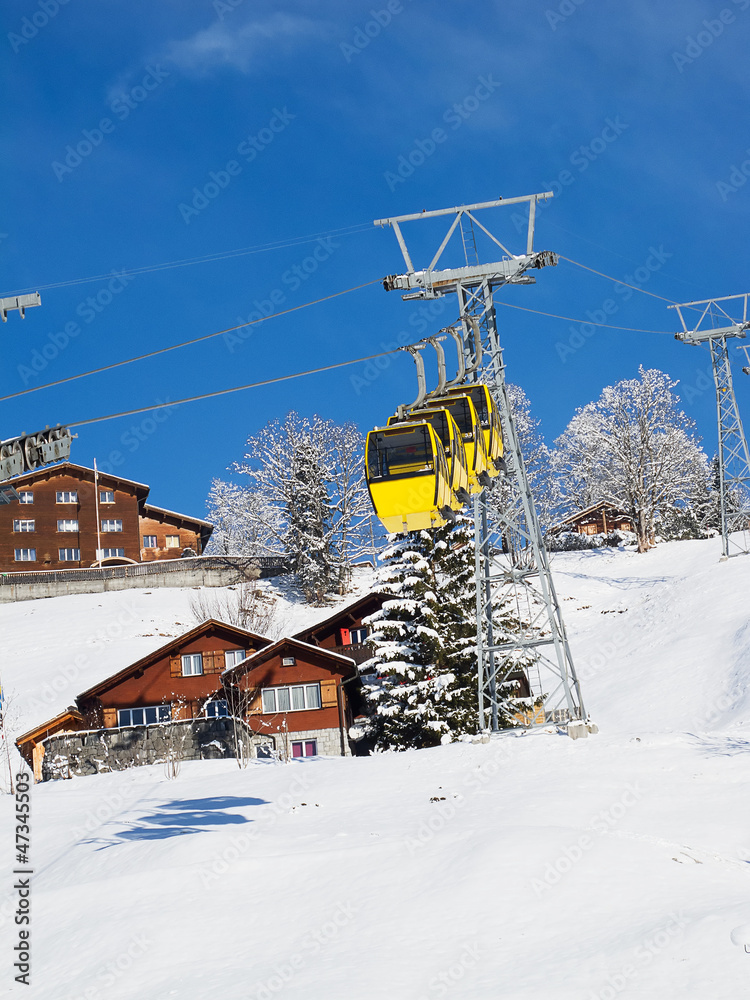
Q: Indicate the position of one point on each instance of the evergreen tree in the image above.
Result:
(421, 683)
(400, 678)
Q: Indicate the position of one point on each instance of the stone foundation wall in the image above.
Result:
(329, 741)
(105, 750)
(102, 750)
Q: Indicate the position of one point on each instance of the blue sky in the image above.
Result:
(297, 116)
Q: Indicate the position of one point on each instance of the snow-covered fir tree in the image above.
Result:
(399, 680)
(421, 683)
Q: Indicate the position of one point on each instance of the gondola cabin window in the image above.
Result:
(400, 452)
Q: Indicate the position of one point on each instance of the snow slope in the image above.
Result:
(531, 866)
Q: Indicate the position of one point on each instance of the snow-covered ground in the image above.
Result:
(532, 866)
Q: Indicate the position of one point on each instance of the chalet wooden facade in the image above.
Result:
(68, 517)
(345, 632)
(292, 694)
(295, 700)
(598, 519)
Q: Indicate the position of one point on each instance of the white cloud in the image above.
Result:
(244, 45)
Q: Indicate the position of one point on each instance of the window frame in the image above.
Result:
(159, 709)
(24, 520)
(270, 696)
(147, 539)
(23, 494)
(232, 654)
(221, 714)
(171, 541)
(111, 520)
(191, 657)
(111, 554)
(304, 745)
(357, 632)
(72, 494)
(31, 558)
(68, 520)
(106, 493)
(64, 558)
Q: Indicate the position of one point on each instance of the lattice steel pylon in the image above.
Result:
(512, 563)
(734, 458)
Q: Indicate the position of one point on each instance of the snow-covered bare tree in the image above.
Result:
(239, 522)
(633, 446)
(310, 499)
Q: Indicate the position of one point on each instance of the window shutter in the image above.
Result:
(215, 664)
(346, 638)
(110, 718)
(256, 705)
(328, 694)
(175, 666)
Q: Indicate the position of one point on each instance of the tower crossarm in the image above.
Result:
(430, 282)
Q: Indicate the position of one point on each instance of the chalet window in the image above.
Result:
(358, 636)
(111, 553)
(305, 748)
(25, 555)
(24, 525)
(295, 698)
(149, 542)
(147, 716)
(106, 496)
(234, 656)
(217, 710)
(67, 496)
(110, 524)
(67, 524)
(173, 541)
(69, 555)
(25, 496)
(192, 664)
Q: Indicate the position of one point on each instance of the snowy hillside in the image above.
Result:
(55, 648)
(531, 866)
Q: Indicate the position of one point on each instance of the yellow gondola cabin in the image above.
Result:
(447, 430)
(489, 420)
(407, 476)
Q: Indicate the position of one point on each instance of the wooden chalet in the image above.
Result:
(179, 681)
(598, 519)
(67, 516)
(290, 693)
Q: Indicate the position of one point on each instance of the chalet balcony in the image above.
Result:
(357, 651)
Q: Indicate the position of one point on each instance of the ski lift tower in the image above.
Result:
(512, 563)
(714, 327)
